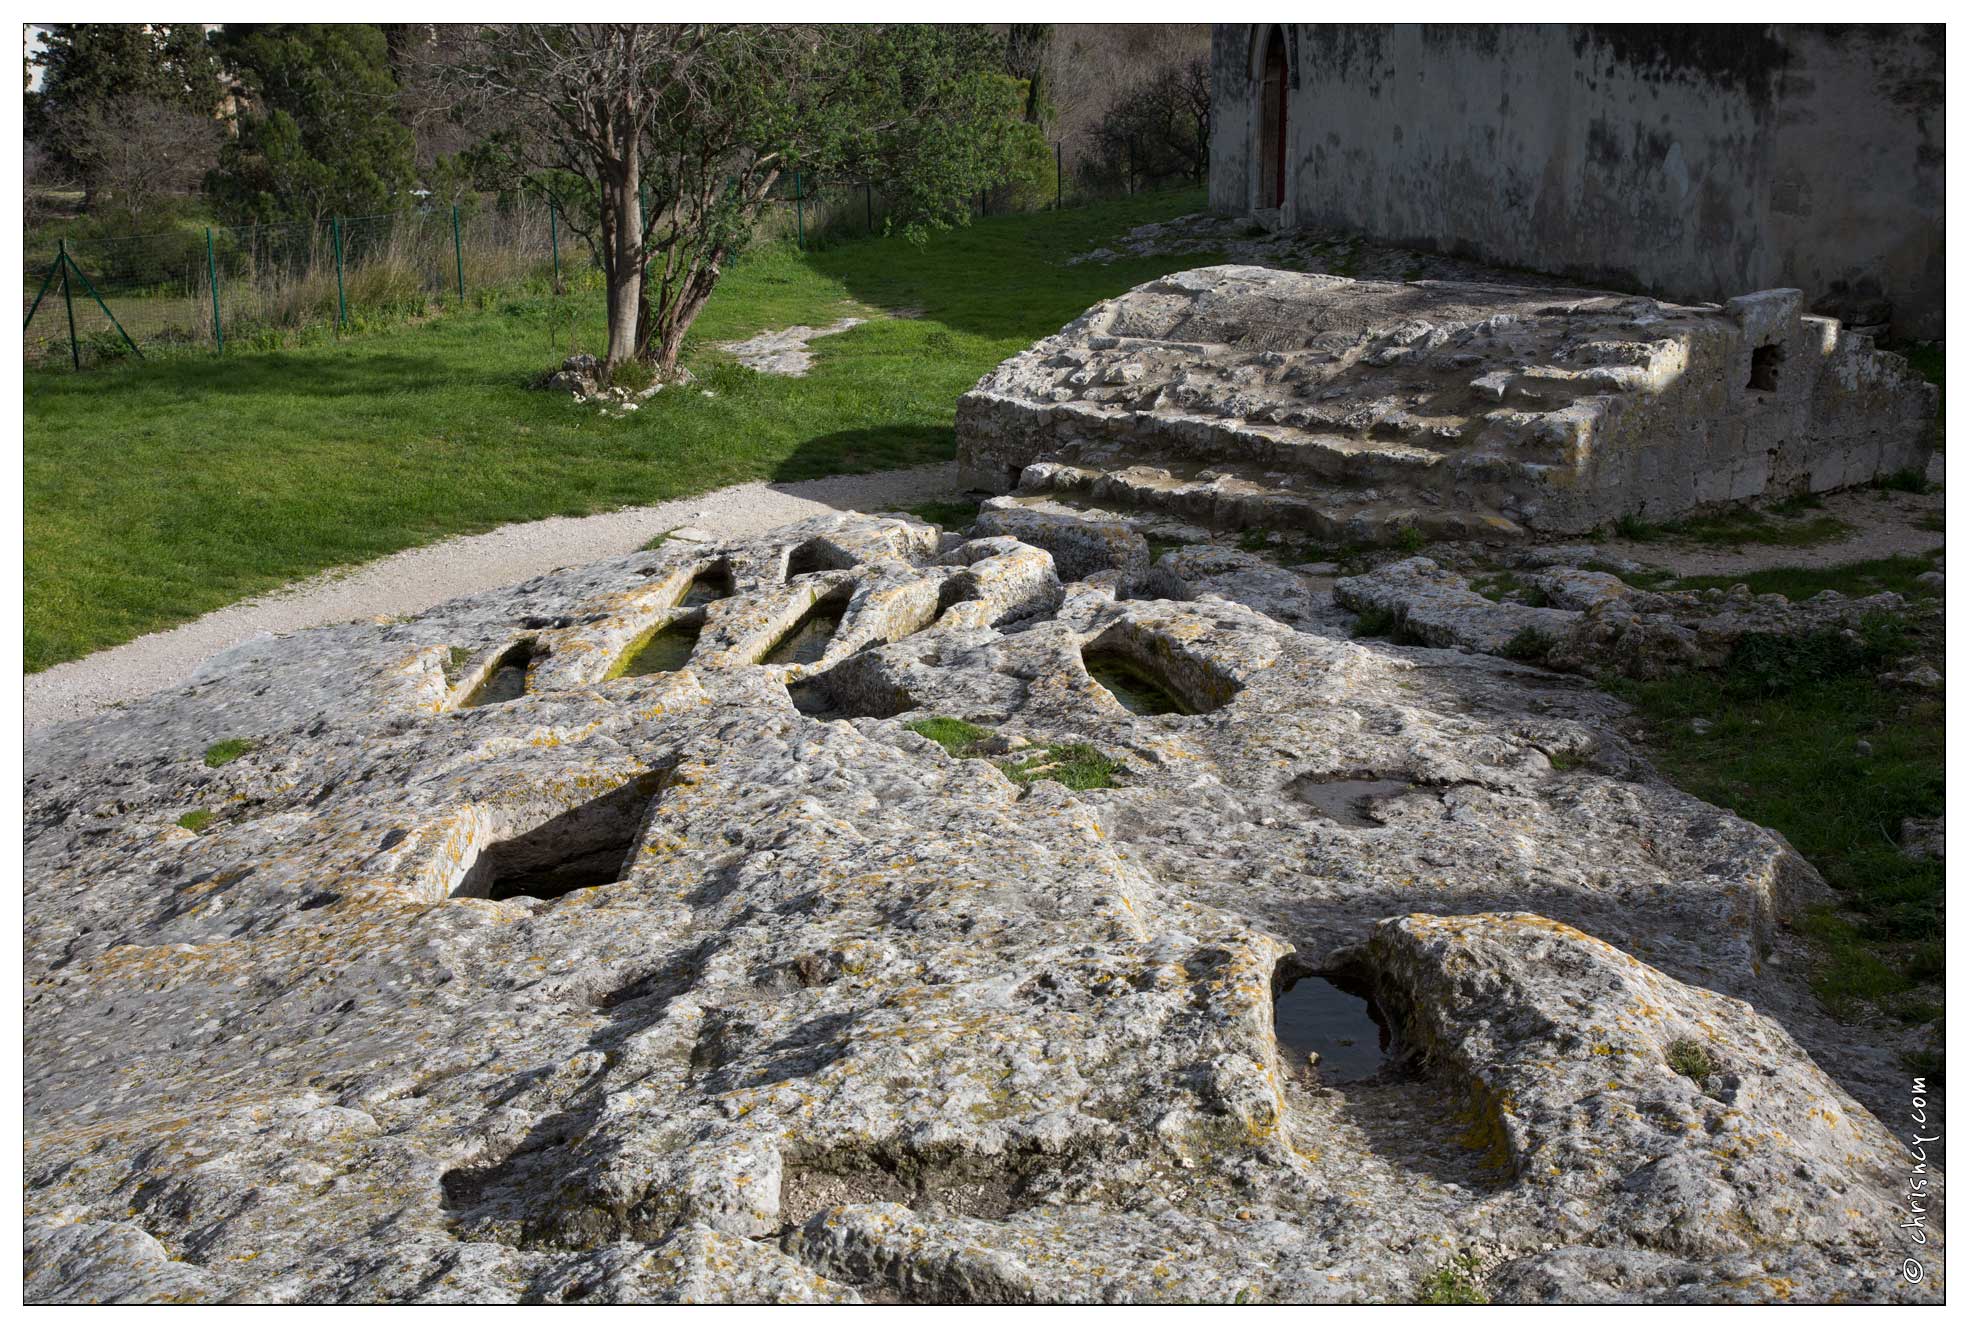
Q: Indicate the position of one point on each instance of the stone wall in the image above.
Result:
(1687, 163)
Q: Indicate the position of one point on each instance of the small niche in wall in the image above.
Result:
(1764, 362)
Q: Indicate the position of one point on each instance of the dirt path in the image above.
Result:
(1885, 524)
(416, 579)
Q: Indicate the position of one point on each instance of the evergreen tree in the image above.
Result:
(87, 66)
(318, 134)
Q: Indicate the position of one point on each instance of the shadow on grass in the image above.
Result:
(874, 448)
(257, 373)
(1011, 281)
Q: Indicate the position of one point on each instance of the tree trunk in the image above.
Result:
(686, 304)
(623, 206)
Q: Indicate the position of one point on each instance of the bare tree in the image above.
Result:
(135, 149)
(422, 56)
(661, 142)
(1160, 127)
(1088, 67)
(41, 176)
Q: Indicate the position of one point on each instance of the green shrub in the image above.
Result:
(197, 819)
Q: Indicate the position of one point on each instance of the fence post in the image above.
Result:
(554, 238)
(212, 279)
(341, 295)
(1059, 175)
(74, 347)
(868, 194)
(46, 281)
(799, 213)
(103, 305)
(1131, 166)
(458, 253)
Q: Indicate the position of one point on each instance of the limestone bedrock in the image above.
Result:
(1241, 396)
(663, 987)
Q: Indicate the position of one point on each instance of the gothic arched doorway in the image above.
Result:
(1271, 122)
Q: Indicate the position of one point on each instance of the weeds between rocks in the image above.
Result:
(1455, 1284)
(1689, 1058)
(1744, 526)
(1078, 766)
(228, 749)
(1374, 622)
(1499, 586)
(1907, 480)
(1387, 625)
(950, 514)
(957, 737)
(1528, 645)
(1900, 574)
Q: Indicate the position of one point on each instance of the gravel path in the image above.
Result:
(416, 579)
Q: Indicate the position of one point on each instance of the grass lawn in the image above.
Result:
(158, 491)
(1783, 748)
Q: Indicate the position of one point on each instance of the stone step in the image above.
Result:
(1163, 506)
(1561, 410)
(1390, 452)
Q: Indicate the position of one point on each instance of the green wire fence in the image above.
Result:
(208, 288)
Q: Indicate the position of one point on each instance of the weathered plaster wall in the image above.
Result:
(1694, 164)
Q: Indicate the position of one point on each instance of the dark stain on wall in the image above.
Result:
(1480, 38)
(1744, 57)
(1337, 48)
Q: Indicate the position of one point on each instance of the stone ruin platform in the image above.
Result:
(1235, 397)
(613, 937)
